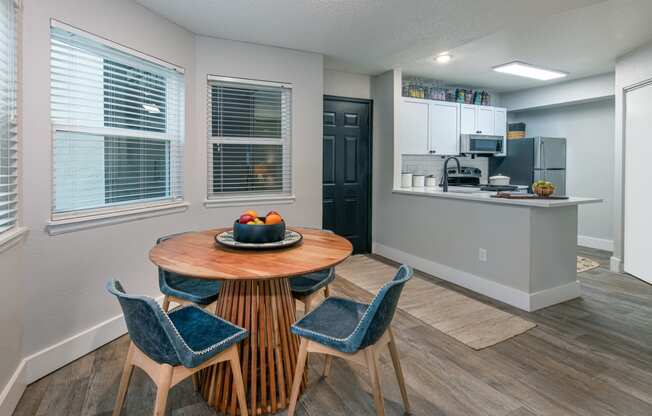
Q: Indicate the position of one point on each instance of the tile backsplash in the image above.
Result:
(434, 165)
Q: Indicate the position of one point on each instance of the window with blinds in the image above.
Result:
(249, 136)
(118, 126)
(8, 124)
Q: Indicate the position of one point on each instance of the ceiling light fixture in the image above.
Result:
(443, 58)
(522, 69)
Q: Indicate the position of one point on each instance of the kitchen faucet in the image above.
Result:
(459, 170)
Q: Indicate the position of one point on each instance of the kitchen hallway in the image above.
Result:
(585, 357)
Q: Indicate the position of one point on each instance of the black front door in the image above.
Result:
(347, 170)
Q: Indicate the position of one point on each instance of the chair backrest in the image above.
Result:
(381, 310)
(149, 327)
(164, 275)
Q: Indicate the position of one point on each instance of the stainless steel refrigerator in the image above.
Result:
(532, 159)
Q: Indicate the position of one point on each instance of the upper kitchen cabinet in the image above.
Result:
(444, 128)
(479, 119)
(414, 126)
(429, 127)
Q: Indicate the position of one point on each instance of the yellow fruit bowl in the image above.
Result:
(544, 192)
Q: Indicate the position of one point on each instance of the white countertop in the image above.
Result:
(463, 193)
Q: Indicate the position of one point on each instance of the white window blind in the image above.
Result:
(118, 121)
(249, 137)
(8, 124)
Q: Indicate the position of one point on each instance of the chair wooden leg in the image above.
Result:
(328, 361)
(307, 303)
(124, 381)
(372, 363)
(238, 384)
(327, 291)
(398, 370)
(298, 376)
(166, 303)
(163, 388)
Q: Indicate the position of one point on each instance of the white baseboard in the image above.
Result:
(13, 391)
(526, 301)
(596, 243)
(555, 295)
(63, 352)
(615, 264)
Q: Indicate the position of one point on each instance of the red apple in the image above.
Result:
(245, 218)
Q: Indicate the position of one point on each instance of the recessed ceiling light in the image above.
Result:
(443, 58)
(522, 69)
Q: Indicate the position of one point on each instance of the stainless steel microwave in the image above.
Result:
(482, 144)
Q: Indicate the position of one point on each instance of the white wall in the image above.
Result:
(589, 130)
(581, 90)
(66, 274)
(346, 84)
(631, 69)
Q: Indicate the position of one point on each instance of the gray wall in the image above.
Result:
(589, 130)
(64, 291)
(346, 84)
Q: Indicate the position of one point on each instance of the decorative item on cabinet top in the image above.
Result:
(436, 90)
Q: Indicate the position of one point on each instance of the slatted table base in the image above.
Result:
(268, 357)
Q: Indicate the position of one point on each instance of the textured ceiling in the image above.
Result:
(371, 36)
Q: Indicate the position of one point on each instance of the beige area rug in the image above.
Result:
(471, 322)
(585, 264)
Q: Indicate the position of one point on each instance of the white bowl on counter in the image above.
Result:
(406, 180)
(499, 180)
(418, 181)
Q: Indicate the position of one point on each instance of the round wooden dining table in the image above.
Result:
(255, 295)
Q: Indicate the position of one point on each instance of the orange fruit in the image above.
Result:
(273, 219)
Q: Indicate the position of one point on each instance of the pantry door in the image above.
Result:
(638, 176)
(347, 170)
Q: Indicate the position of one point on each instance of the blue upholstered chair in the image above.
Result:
(171, 347)
(305, 288)
(353, 331)
(185, 290)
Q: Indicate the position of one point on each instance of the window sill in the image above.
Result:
(238, 201)
(68, 225)
(12, 237)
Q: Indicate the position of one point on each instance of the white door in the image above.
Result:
(638, 176)
(414, 127)
(467, 119)
(485, 120)
(444, 133)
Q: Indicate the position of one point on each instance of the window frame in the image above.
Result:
(66, 221)
(15, 232)
(214, 199)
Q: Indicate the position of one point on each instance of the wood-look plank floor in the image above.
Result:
(590, 356)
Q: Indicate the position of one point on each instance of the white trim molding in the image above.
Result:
(596, 243)
(529, 302)
(616, 264)
(247, 201)
(11, 237)
(67, 225)
(13, 391)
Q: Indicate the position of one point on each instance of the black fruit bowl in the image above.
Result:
(258, 233)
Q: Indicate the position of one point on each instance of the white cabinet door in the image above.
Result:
(467, 118)
(500, 121)
(484, 120)
(444, 130)
(500, 127)
(414, 126)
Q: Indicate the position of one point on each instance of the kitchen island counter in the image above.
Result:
(467, 194)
